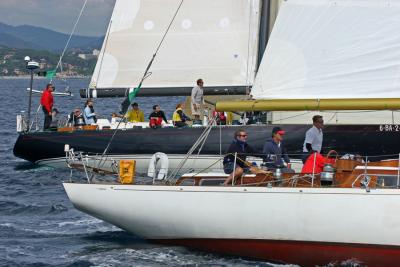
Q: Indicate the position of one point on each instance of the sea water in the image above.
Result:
(38, 224)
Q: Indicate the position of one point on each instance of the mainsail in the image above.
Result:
(213, 40)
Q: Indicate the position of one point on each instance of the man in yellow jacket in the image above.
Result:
(135, 114)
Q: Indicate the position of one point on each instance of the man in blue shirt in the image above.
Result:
(275, 154)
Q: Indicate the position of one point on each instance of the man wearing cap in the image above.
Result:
(314, 138)
(275, 152)
(47, 105)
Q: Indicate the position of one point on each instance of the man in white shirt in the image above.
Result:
(314, 138)
(197, 99)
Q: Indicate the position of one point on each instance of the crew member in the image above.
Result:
(156, 117)
(220, 117)
(275, 153)
(179, 118)
(239, 145)
(88, 114)
(76, 118)
(314, 138)
(47, 105)
(135, 114)
(197, 100)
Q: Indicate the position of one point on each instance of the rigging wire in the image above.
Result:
(145, 75)
(199, 143)
(70, 36)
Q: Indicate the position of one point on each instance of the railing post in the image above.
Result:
(366, 165)
(313, 169)
(234, 169)
(398, 172)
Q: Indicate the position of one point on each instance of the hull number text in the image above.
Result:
(389, 128)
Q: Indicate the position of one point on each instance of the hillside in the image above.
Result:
(12, 41)
(31, 37)
(74, 64)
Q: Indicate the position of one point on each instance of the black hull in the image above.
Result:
(363, 139)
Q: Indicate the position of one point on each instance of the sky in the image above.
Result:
(59, 15)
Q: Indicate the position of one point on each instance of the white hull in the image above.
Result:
(297, 214)
(306, 226)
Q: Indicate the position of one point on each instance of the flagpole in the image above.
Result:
(30, 65)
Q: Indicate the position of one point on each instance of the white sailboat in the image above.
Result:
(355, 219)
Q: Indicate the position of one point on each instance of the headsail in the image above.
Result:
(324, 49)
(216, 40)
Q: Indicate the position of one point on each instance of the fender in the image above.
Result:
(164, 163)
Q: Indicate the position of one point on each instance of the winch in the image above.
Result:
(328, 173)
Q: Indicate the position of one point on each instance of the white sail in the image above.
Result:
(332, 49)
(213, 40)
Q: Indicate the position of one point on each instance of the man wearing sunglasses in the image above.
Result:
(239, 145)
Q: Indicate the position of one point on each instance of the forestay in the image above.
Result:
(332, 49)
(215, 40)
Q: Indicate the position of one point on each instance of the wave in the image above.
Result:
(154, 255)
(29, 166)
(58, 208)
(14, 208)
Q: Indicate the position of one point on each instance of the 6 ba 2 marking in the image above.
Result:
(389, 128)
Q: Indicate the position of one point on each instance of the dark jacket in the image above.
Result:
(242, 148)
(275, 154)
(183, 116)
(159, 114)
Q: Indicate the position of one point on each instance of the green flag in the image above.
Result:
(133, 93)
(50, 74)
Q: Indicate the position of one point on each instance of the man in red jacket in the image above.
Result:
(47, 105)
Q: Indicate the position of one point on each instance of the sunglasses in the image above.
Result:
(242, 135)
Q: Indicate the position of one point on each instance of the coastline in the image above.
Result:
(40, 77)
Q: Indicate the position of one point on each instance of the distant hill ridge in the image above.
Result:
(32, 37)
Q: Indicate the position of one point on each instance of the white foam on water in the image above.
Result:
(85, 222)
